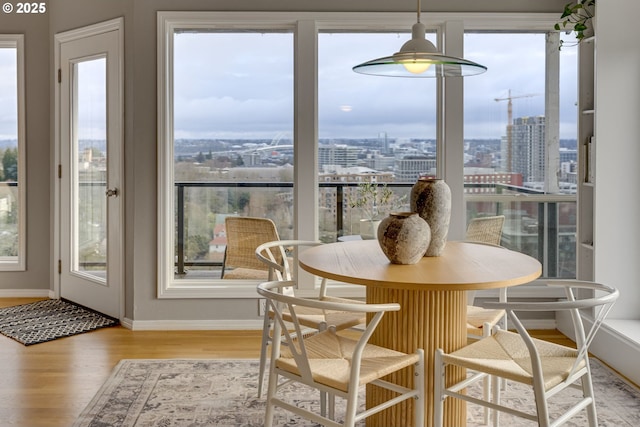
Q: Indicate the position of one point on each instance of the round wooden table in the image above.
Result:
(432, 294)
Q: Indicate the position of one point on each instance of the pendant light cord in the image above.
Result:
(418, 1)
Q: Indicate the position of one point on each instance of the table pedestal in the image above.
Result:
(427, 320)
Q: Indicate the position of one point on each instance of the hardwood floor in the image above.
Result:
(49, 384)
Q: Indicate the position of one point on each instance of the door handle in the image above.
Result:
(112, 192)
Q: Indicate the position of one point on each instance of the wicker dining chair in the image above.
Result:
(546, 367)
(335, 364)
(244, 235)
(485, 230)
(277, 256)
(481, 321)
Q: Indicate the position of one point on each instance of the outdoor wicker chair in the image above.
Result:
(244, 235)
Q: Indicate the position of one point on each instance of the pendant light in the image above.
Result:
(419, 58)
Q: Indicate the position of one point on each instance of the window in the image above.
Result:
(371, 129)
(522, 142)
(241, 133)
(12, 149)
(230, 150)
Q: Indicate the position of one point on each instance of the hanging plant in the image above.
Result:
(577, 17)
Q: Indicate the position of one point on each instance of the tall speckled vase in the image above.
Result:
(404, 237)
(431, 199)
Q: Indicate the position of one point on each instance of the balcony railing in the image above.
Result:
(540, 225)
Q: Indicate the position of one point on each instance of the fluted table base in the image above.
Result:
(427, 320)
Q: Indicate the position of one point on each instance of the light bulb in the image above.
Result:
(416, 67)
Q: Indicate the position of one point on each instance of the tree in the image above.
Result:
(10, 164)
(197, 247)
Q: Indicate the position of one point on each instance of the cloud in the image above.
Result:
(257, 96)
(241, 85)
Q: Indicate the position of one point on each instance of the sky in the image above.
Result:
(8, 97)
(252, 96)
(220, 93)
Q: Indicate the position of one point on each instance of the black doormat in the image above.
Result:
(48, 320)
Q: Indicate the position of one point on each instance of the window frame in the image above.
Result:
(305, 27)
(18, 263)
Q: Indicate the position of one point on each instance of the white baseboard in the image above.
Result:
(249, 325)
(126, 323)
(193, 325)
(26, 293)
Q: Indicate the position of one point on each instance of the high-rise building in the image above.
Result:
(527, 148)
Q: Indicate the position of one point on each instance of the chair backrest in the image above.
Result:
(280, 302)
(599, 304)
(276, 254)
(485, 229)
(244, 235)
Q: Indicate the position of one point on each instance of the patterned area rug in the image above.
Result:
(47, 320)
(222, 393)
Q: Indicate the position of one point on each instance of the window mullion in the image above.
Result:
(305, 129)
(552, 112)
(451, 107)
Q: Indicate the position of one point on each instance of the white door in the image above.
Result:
(90, 170)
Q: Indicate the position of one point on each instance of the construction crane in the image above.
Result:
(510, 123)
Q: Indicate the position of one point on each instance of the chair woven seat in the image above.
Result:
(477, 317)
(505, 354)
(246, 273)
(330, 355)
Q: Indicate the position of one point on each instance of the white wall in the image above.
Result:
(617, 204)
(36, 280)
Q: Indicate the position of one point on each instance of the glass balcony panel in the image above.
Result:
(201, 208)
(542, 226)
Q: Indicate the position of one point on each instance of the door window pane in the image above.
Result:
(90, 153)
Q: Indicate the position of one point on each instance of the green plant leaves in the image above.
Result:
(576, 17)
